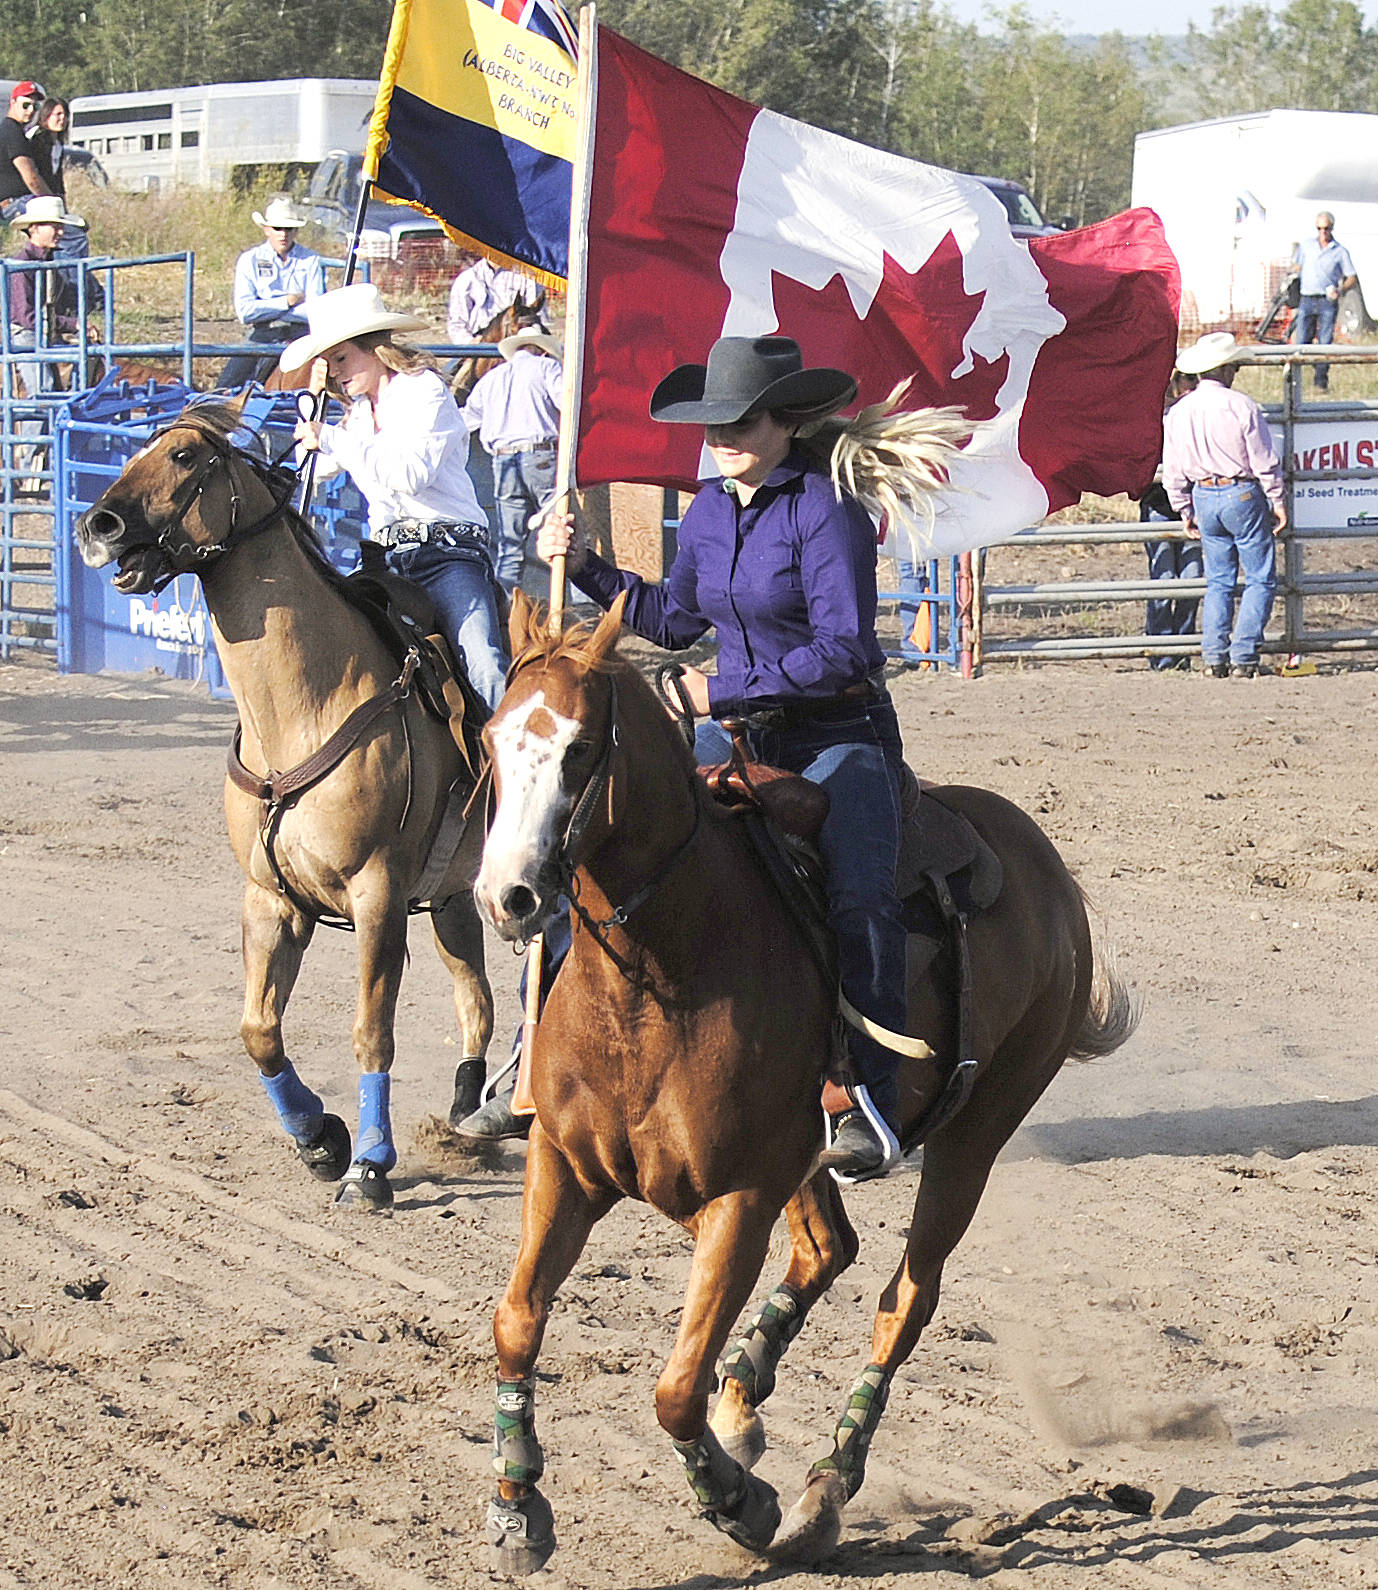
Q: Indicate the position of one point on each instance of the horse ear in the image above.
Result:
(521, 622)
(605, 637)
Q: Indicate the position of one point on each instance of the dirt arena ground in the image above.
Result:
(1156, 1360)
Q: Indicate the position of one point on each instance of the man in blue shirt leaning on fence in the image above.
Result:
(272, 281)
(1327, 272)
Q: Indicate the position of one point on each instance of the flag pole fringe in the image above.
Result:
(894, 463)
(473, 245)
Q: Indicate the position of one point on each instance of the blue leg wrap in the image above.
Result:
(374, 1143)
(299, 1110)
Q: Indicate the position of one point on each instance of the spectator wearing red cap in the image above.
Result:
(20, 177)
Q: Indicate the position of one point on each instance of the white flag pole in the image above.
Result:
(575, 285)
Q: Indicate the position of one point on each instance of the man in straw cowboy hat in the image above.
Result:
(272, 282)
(42, 221)
(1223, 476)
(515, 412)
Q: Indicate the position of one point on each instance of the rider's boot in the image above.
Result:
(861, 1144)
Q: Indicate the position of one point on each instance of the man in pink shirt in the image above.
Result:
(1223, 475)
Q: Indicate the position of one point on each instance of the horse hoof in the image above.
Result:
(365, 1184)
(469, 1075)
(738, 1428)
(813, 1525)
(328, 1157)
(521, 1534)
(752, 1522)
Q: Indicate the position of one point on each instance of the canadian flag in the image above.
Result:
(710, 217)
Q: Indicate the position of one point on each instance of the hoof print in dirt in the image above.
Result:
(90, 1289)
(366, 1185)
(328, 1157)
(521, 1534)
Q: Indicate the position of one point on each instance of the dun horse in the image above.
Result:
(678, 1061)
(354, 836)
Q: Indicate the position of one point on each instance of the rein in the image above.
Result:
(182, 549)
(596, 787)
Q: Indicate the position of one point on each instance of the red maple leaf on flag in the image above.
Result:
(915, 327)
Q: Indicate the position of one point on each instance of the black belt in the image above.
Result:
(1225, 480)
(809, 709)
(444, 532)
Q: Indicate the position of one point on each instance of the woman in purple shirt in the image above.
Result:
(783, 565)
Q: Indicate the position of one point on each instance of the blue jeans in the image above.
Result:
(853, 761)
(460, 583)
(250, 367)
(1171, 560)
(522, 483)
(1236, 524)
(1316, 323)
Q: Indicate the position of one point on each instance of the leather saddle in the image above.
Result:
(404, 617)
(946, 873)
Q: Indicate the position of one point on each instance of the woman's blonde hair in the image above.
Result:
(893, 463)
(402, 358)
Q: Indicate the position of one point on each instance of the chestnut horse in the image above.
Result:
(359, 837)
(679, 1059)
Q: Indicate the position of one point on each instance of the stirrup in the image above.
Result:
(861, 1103)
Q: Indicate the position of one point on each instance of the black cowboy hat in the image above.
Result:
(746, 375)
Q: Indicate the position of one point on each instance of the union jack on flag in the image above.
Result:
(546, 17)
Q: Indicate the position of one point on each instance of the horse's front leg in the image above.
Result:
(822, 1245)
(381, 932)
(557, 1216)
(459, 939)
(731, 1235)
(275, 935)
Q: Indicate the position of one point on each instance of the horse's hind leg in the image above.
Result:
(557, 1216)
(275, 935)
(380, 931)
(822, 1245)
(459, 939)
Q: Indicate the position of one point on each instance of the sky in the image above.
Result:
(1124, 16)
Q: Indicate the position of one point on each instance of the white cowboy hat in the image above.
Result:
(1209, 353)
(532, 337)
(46, 207)
(282, 213)
(340, 316)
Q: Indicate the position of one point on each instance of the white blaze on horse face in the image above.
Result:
(529, 746)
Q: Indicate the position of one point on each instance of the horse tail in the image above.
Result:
(1113, 1009)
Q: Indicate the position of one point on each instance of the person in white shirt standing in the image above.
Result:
(406, 447)
(515, 412)
(272, 284)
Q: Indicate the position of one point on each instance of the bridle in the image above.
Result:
(182, 554)
(597, 788)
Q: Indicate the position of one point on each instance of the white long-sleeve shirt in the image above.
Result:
(409, 455)
(517, 401)
(263, 281)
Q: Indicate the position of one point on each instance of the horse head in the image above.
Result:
(187, 496)
(551, 745)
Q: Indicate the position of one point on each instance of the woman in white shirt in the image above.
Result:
(406, 447)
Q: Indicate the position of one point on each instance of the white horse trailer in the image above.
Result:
(1236, 195)
(196, 137)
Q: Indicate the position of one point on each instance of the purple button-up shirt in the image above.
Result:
(1215, 431)
(788, 581)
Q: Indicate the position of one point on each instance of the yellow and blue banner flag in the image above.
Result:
(475, 124)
